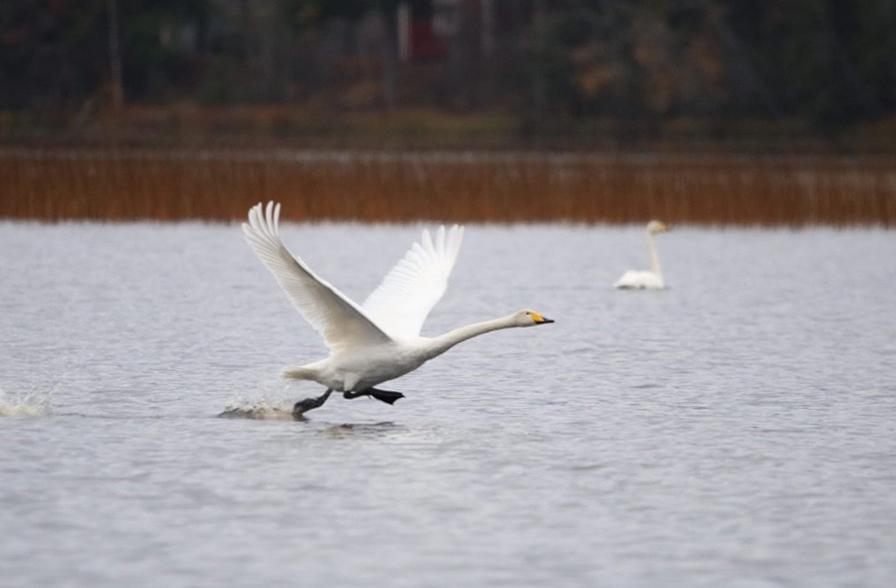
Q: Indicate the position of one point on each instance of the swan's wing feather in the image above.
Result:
(339, 320)
(401, 303)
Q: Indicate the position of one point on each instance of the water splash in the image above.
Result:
(33, 404)
(256, 409)
(271, 401)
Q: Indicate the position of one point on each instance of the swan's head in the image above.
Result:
(655, 226)
(530, 318)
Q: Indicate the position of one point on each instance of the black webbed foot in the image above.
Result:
(381, 395)
(303, 406)
(385, 395)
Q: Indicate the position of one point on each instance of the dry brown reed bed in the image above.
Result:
(52, 185)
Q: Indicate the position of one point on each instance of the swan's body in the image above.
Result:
(652, 279)
(640, 280)
(362, 368)
(379, 340)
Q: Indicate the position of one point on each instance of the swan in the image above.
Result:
(380, 339)
(652, 279)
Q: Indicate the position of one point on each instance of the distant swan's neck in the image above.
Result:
(654, 258)
(442, 343)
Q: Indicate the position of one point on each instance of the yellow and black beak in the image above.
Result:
(540, 319)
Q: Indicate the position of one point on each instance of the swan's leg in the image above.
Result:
(382, 395)
(304, 406)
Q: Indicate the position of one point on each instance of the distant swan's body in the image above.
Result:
(646, 280)
(379, 340)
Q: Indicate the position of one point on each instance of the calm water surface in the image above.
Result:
(738, 429)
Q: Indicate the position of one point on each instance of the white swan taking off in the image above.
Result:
(650, 280)
(379, 340)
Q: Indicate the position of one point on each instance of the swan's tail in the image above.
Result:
(297, 373)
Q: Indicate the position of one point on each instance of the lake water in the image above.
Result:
(737, 429)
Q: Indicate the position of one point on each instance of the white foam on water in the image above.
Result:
(259, 409)
(35, 403)
(272, 402)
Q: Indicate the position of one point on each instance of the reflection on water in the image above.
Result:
(368, 430)
(737, 427)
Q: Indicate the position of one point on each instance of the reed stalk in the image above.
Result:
(58, 184)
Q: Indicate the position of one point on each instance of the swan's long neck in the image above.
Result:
(442, 343)
(654, 258)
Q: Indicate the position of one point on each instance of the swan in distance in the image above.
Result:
(652, 279)
(380, 339)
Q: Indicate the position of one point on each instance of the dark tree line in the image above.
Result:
(829, 61)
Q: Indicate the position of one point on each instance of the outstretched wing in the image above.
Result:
(341, 322)
(401, 303)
